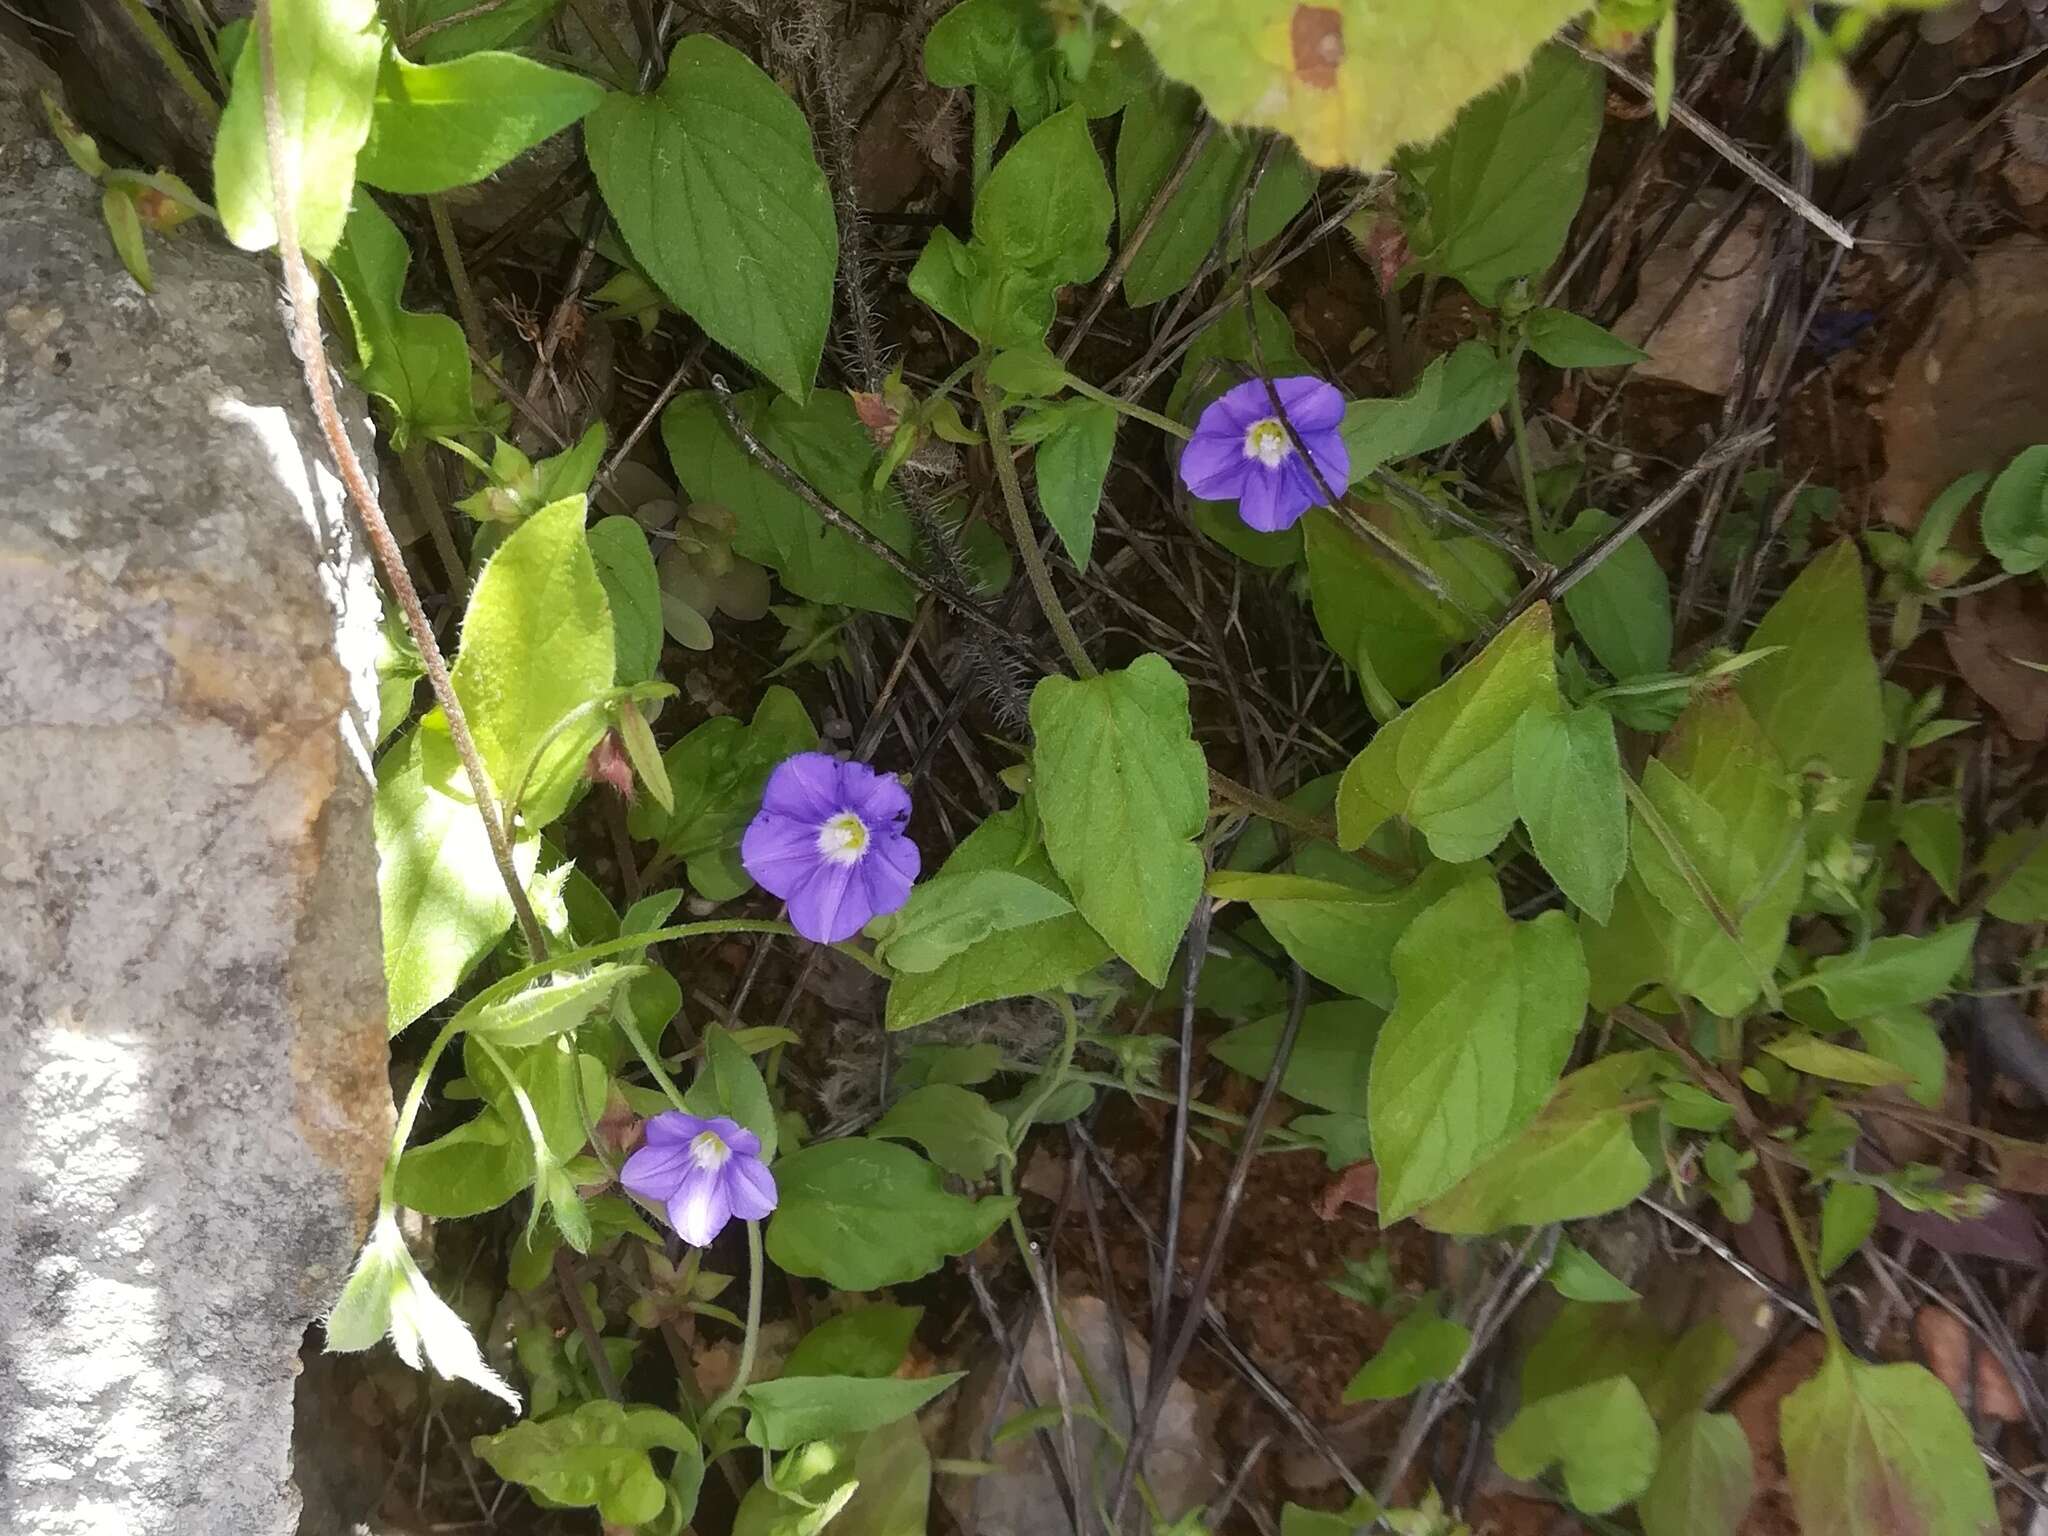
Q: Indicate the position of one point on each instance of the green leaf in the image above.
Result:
(1446, 765)
(957, 1127)
(625, 565)
(326, 54)
(1622, 607)
(1361, 1516)
(2023, 898)
(1424, 1346)
(714, 185)
(824, 442)
(503, 26)
(796, 1409)
(1568, 793)
(438, 126)
(1847, 1216)
(1566, 340)
(443, 904)
(1376, 617)
(862, 1214)
(1355, 80)
(1337, 933)
(1765, 20)
(1499, 191)
(1871, 1450)
(716, 774)
(1156, 131)
(1331, 1058)
(1487, 1014)
(1344, 1139)
(894, 1471)
(1894, 972)
(1071, 466)
(1122, 789)
(1009, 962)
(1578, 1158)
(1588, 1344)
(1932, 831)
(1911, 1041)
(489, 1158)
(537, 649)
(1601, 1434)
(1823, 1058)
(1578, 1276)
(952, 912)
(1002, 46)
(417, 364)
(1817, 698)
(1705, 1479)
(1046, 207)
(552, 1007)
(595, 1455)
(1456, 393)
(2015, 515)
(868, 1341)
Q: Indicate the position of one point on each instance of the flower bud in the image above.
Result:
(1826, 108)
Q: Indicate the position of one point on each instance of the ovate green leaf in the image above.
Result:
(868, 1341)
(438, 126)
(1894, 972)
(1337, 933)
(1071, 466)
(1622, 607)
(1424, 1346)
(1602, 1435)
(863, 1214)
(957, 1128)
(418, 364)
(795, 1409)
(1568, 793)
(1455, 394)
(1823, 1058)
(1331, 1059)
(715, 187)
(2015, 515)
(1705, 1479)
(950, 913)
(625, 565)
(1578, 1276)
(1488, 1010)
(1847, 1216)
(595, 1455)
(1566, 340)
(1122, 790)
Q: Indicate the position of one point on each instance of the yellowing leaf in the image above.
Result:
(1350, 82)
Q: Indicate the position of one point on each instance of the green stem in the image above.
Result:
(755, 1267)
(1026, 537)
(610, 947)
(159, 43)
(652, 1062)
(1800, 1248)
(409, 1112)
(1124, 407)
(1063, 1060)
(458, 276)
(419, 485)
(1524, 466)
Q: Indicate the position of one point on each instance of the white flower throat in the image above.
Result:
(1267, 442)
(843, 839)
(710, 1150)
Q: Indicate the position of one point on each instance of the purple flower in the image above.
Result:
(1241, 451)
(829, 840)
(704, 1171)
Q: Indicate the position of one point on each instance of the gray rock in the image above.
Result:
(193, 1102)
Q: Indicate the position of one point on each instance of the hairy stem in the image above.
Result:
(1026, 538)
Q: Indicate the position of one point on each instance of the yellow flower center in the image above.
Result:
(1267, 442)
(710, 1150)
(843, 839)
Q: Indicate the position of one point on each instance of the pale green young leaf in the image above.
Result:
(950, 913)
(1359, 78)
(438, 126)
(124, 228)
(536, 651)
(1847, 1216)
(1871, 1450)
(1568, 793)
(1122, 790)
(1156, 130)
(2015, 515)
(460, 26)
(1894, 972)
(790, 1411)
(1578, 1158)
(1298, 1520)
(326, 54)
(1932, 831)
(1817, 698)
(491, 1157)
(443, 903)
(868, 1341)
(1424, 1346)
(1765, 19)
(893, 1468)
(551, 1007)
(1910, 1040)
(1498, 193)
(823, 441)
(1488, 1010)
(715, 187)
(1622, 607)
(1071, 465)
(1331, 1059)
(1446, 765)
(958, 1129)
(1576, 1275)
(1001, 46)
(1046, 208)
(1705, 1479)
(861, 1214)
(1601, 1435)
(1456, 393)
(418, 364)
(625, 565)
(1008, 962)
(1339, 934)
(592, 1456)
(1823, 1058)
(1565, 340)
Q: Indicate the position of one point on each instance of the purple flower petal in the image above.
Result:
(1332, 456)
(700, 1207)
(1266, 502)
(1310, 404)
(674, 1125)
(781, 854)
(1241, 407)
(805, 787)
(888, 872)
(656, 1170)
(831, 905)
(1214, 465)
(743, 1142)
(878, 799)
(750, 1187)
